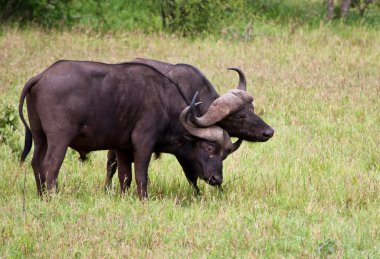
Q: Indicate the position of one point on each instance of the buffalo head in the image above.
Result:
(203, 153)
(234, 111)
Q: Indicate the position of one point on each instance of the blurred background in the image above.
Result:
(231, 19)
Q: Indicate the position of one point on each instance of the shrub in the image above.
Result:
(191, 17)
(48, 13)
(8, 127)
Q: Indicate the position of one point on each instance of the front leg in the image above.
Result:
(124, 164)
(193, 182)
(142, 160)
(111, 168)
(144, 138)
(189, 173)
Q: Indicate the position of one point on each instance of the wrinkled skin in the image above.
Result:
(244, 124)
(125, 107)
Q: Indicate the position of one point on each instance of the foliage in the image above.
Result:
(48, 13)
(198, 16)
(117, 15)
(183, 17)
(363, 5)
(345, 10)
(283, 11)
(8, 126)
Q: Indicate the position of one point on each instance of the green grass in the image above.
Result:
(311, 191)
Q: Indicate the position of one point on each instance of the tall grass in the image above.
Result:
(311, 191)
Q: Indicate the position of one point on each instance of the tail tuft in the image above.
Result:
(27, 145)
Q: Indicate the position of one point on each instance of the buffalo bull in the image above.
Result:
(131, 108)
(232, 111)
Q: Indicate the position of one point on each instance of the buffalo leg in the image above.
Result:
(124, 163)
(187, 169)
(141, 157)
(141, 174)
(111, 168)
(52, 162)
(143, 141)
(193, 182)
(40, 147)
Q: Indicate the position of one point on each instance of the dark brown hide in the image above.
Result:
(244, 124)
(131, 108)
(235, 115)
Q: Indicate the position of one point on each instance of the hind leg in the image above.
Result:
(52, 163)
(47, 159)
(40, 147)
(55, 154)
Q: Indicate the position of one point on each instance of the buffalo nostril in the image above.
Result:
(216, 180)
(268, 133)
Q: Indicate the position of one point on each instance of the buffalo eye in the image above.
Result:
(210, 148)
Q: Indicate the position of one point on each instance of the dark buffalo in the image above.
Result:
(131, 108)
(229, 111)
(241, 122)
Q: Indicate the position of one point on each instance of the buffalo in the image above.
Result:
(232, 113)
(133, 109)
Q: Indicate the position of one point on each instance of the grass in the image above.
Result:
(311, 191)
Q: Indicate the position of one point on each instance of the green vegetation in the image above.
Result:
(8, 126)
(311, 191)
(231, 19)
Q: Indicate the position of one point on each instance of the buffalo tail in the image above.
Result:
(28, 133)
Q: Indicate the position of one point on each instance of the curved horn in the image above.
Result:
(212, 133)
(193, 105)
(218, 110)
(236, 145)
(229, 147)
(242, 81)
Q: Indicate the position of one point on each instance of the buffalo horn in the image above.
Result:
(242, 82)
(218, 110)
(236, 145)
(229, 146)
(211, 133)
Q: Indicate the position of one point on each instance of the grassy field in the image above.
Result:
(311, 191)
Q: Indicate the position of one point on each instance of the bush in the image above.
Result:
(191, 17)
(8, 127)
(184, 17)
(117, 15)
(48, 13)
